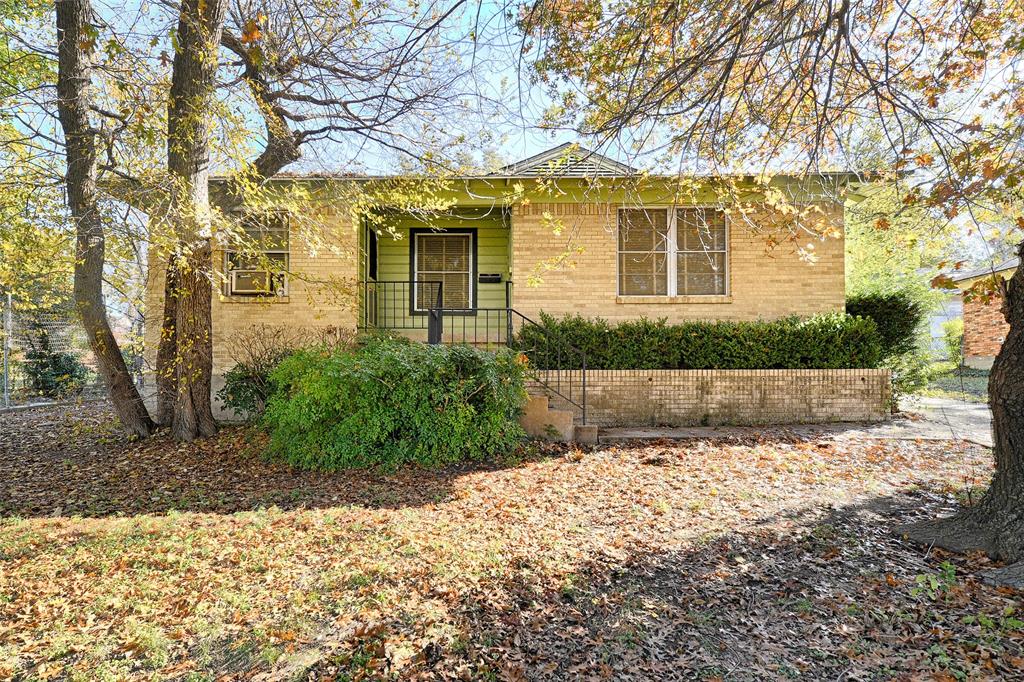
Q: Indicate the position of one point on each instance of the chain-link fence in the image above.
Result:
(46, 356)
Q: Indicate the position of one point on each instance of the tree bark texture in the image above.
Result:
(996, 523)
(74, 81)
(166, 371)
(193, 80)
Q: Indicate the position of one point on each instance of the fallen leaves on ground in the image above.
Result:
(731, 559)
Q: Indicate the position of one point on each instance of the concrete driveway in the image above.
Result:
(954, 418)
(923, 418)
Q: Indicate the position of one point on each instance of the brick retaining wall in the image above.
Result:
(737, 397)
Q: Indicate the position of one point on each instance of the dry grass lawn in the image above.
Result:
(721, 559)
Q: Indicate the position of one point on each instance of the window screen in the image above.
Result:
(701, 252)
(445, 258)
(643, 252)
(257, 262)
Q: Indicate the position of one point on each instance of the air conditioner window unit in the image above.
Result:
(250, 282)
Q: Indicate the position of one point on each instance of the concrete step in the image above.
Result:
(585, 434)
(540, 420)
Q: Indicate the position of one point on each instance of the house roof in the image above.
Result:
(1009, 264)
(573, 161)
(568, 160)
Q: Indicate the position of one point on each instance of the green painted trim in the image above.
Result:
(495, 194)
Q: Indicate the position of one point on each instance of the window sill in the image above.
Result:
(266, 300)
(671, 299)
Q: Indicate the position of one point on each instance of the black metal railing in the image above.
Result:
(396, 304)
(554, 364)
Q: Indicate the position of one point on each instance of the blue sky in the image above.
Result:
(511, 118)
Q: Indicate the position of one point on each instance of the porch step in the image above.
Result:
(540, 420)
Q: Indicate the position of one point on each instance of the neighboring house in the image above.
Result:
(950, 307)
(564, 232)
(985, 328)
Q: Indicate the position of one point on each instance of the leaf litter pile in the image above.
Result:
(763, 558)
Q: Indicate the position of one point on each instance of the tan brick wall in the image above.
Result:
(763, 284)
(985, 329)
(321, 293)
(737, 397)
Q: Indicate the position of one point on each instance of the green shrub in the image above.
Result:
(832, 341)
(898, 315)
(911, 372)
(247, 386)
(257, 350)
(953, 336)
(389, 403)
(52, 373)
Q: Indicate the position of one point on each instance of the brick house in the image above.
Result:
(565, 232)
(985, 328)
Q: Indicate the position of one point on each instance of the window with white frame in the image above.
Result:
(445, 257)
(257, 262)
(673, 252)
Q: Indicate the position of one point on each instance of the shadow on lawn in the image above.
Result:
(68, 461)
(813, 592)
(819, 593)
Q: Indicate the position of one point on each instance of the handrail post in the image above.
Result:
(435, 319)
(583, 380)
(508, 313)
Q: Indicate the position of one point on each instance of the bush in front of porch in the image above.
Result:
(830, 341)
(390, 403)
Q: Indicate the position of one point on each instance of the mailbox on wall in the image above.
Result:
(489, 278)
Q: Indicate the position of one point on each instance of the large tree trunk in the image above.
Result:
(74, 81)
(193, 415)
(188, 157)
(167, 350)
(996, 523)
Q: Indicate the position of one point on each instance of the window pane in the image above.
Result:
(456, 291)
(643, 230)
(429, 254)
(426, 293)
(444, 258)
(237, 261)
(643, 274)
(265, 261)
(274, 240)
(701, 274)
(700, 229)
(268, 232)
(456, 254)
(704, 285)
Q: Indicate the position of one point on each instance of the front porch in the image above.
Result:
(417, 310)
(438, 278)
(449, 281)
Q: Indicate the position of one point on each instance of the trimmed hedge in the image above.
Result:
(897, 315)
(832, 341)
(390, 403)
